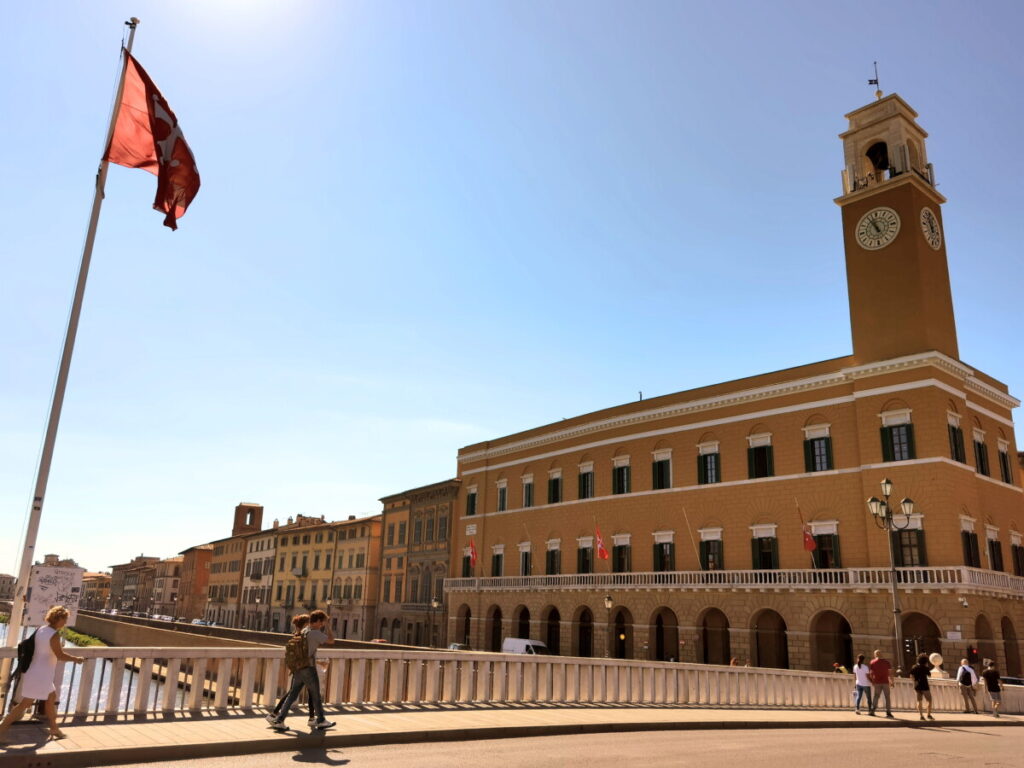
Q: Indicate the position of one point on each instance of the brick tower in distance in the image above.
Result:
(248, 519)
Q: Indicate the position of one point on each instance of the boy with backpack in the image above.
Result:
(300, 658)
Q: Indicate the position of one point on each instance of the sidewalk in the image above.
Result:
(98, 741)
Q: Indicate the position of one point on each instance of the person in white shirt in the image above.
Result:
(967, 678)
(860, 672)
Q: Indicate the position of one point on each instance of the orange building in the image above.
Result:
(702, 497)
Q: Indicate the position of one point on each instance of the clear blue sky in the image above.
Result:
(427, 224)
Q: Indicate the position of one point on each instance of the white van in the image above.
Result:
(522, 645)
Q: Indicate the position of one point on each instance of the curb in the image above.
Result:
(159, 753)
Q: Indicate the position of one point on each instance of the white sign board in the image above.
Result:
(49, 586)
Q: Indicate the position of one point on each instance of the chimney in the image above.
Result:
(275, 523)
(351, 517)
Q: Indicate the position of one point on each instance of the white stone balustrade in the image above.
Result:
(246, 678)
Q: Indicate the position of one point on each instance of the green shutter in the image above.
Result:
(656, 558)
(626, 485)
(952, 442)
(910, 441)
(775, 552)
(701, 480)
(835, 549)
(750, 462)
(965, 541)
(887, 444)
(897, 550)
(671, 565)
(771, 460)
(922, 554)
(721, 555)
(755, 552)
(808, 456)
(816, 552)
(703, 555)
(828, 453)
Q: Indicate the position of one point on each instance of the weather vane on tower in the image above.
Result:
(874, 82)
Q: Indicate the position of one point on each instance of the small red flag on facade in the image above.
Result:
(601, 551)
(809, 544)
(472, 553)
(147, 136)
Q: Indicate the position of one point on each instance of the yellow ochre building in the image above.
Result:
(701, 496)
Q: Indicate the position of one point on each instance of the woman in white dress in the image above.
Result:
(37, 681)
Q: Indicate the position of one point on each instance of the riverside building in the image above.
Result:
(702, 497)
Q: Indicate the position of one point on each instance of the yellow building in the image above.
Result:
(702, 497)
(356, 577)
(394, 566)
(305, 565)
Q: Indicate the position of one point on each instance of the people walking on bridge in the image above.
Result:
(37, 682)
(967, 679)
(861, 674)
(881, 683)
(301, 659)
(924, 695)
(994, 689)
(299, 623)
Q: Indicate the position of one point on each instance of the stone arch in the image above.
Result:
(769, 646)
(662, 445)
(552, 622)
(951, 406)
(758, 429)
(1011, 648)
(877, 156)
(815, 418)
(831, 641)
(985, 637)
(713, 628)
(707, 437)
(622, 633)
(383, 629)
(920, 635)
(583, 632)
(463, 626)
(396, 631)
(915, 155)
(494, 628)
(895, 404)
(521, 622)
(664, 635)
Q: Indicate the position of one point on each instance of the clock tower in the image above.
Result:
(896, 272)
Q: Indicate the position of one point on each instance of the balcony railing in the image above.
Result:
(851, 579)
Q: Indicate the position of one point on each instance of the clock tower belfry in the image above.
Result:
(896, 272)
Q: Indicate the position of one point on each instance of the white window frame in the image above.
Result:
(764, 531)
(710, 534)
(978, 435)
(760, 440)
(817, 431)
(503, 483)
(707, 448)
(912, 523)
(621, 539)
(967, 523)
(663, 454)
(525, 546)
(620, 461)
(895, 418)
(585, 542)
(498, 549)
(953, 419)
(824, 527)
(664, 537)
(553, 545)
(991, 533)
(1015, 539)
(554, 474)
(586, 466)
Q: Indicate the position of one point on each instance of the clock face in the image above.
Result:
(930, 228)
(877, 228)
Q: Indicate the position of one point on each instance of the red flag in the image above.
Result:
(147, 136)
(809, 544)
(472, 553)
(601, 551)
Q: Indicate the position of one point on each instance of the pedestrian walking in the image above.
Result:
(299, 623)
(995, 690)
(924, 695)
(863, 683)
(967, 678)
(302, 661)
(37, 680)
(881, 684)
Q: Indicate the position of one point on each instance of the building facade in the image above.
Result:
(394, 563)
(95, 590)
(355, 584)
(258, 579)
(701, 499)
(225, 585)
(166, 583)
(430, 514)
(193, 589)
(7, 582)
(131, 583)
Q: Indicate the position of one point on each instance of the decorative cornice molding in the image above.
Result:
(844, 376)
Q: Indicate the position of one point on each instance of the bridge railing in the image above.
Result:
(149, 680)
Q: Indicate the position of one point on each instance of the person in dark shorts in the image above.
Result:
(995, 691)
(924, 695)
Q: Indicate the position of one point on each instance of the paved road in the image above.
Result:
(932, 747)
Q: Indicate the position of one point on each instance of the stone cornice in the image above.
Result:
(848, 375)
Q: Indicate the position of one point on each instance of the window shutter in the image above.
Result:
(579, 486)
(887, 454)
(828, 453)
(835, 549)
(704, 555)
(922, 554)
(952, 442)
(965, 540)
(770, 462)
(654, 475)
(816, 552)
(750, 462)
(775, 553)
(808, 456)
(701, 479)
(625, 478)
(897, 550)
(910, 441)
(657, 558)
(755, 553)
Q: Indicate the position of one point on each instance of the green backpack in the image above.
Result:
(296, 654)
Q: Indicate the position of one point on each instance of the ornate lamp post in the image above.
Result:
(608, 603)
(882, 514)
(259, 618)
(434, 605)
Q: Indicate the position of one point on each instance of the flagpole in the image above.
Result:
(42, 476)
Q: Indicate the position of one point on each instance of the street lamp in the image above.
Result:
(259, 618)
(608, 603)
(882, 514)
(434, 605)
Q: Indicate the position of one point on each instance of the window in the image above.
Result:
(553, 562)
(528, 492)
(471, 502)
(442, 528)
(995, 549)
(525, 562)
(414, 589)
(957, 452)
(897, 436)
(664, 556)
(429, 533)
(620, 477)
(708, 468)
(467, 569)
(1017, 556)
(759, 456)
(305, 539)
(555, 488)
(361, 560)
(908, 548)
(585, 558)
(417, 531)
(502, 497)
(826, 553)
(764, 547)
(586, 481)
(357, 593)
(1005, 473)
(391, 534)
(398, 589)
(981, 457)
(316, 562)
(661, 470)
(818, 448)
(622, 558)
(387, 589)
(401, 533)
(497, 563)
